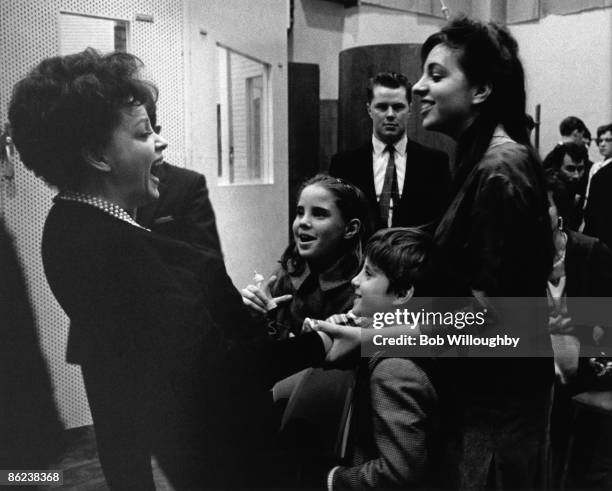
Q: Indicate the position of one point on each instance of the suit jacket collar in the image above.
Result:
(379, 146)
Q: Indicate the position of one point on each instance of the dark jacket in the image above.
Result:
(158, 328)
(426, 183)
(495, 238)
(183, 210)
(393, 428)
(598, 212)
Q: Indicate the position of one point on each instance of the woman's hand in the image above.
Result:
(259, 299)
(344, 340)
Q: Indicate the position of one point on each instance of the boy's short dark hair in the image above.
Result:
(401, 254)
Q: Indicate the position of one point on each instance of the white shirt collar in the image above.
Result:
(379, 146)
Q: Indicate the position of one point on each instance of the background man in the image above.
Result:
(406, 183)
(572, 130)
(598, 211)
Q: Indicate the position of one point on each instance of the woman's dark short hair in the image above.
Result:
(488, 54)
(403, 255)
(70, 104)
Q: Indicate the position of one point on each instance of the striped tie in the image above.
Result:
(389, 197)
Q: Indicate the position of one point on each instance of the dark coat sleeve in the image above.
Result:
(339, 165)
(403, 401)
(199, 216)
(184, 210)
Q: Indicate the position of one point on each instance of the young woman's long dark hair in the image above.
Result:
(488, 54)
(352, 203)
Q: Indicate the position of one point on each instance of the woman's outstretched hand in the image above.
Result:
(259, 299)
(344, 340)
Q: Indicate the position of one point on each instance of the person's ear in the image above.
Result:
(369, 108)
(403, 296)
(95, 160)
(481, 93)
(352, 228)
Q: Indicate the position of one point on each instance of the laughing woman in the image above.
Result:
(172, 365)
(494, 241)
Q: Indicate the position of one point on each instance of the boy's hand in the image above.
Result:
(259, 299)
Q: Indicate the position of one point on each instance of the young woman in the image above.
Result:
(331, 223)
(494, 241)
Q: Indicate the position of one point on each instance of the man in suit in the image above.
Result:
(598, 211)
(406, 183)
(569, 161)
(604, 143)
(183, 210)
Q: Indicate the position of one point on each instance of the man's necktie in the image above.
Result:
(389, 197)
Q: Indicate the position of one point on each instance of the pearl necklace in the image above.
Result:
(100, 203)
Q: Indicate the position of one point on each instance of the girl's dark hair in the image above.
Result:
(68, 104)
(352, 203)
(488, 54)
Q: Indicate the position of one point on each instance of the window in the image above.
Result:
(243, 119)
(78, 32)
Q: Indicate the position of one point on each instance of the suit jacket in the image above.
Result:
(598, 212)
(393, 427)
(588, 271)
(163, 320)
(183, 210)
(426, 183)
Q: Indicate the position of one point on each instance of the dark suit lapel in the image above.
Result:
(366, 167)
(412, 158)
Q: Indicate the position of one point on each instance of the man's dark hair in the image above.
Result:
(604, 129)
(391, 80)
(587, 134)
(576, 152)
(402, 255)
(570, 124)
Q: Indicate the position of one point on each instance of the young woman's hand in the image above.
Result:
(259, 299)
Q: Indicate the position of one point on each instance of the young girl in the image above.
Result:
(332, 221)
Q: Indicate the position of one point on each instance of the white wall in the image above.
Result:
(29, 32)
(568, 63)
(568, 59)
(252, 219)
(322, 30)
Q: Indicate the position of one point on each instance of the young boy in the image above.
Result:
(396, 405)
